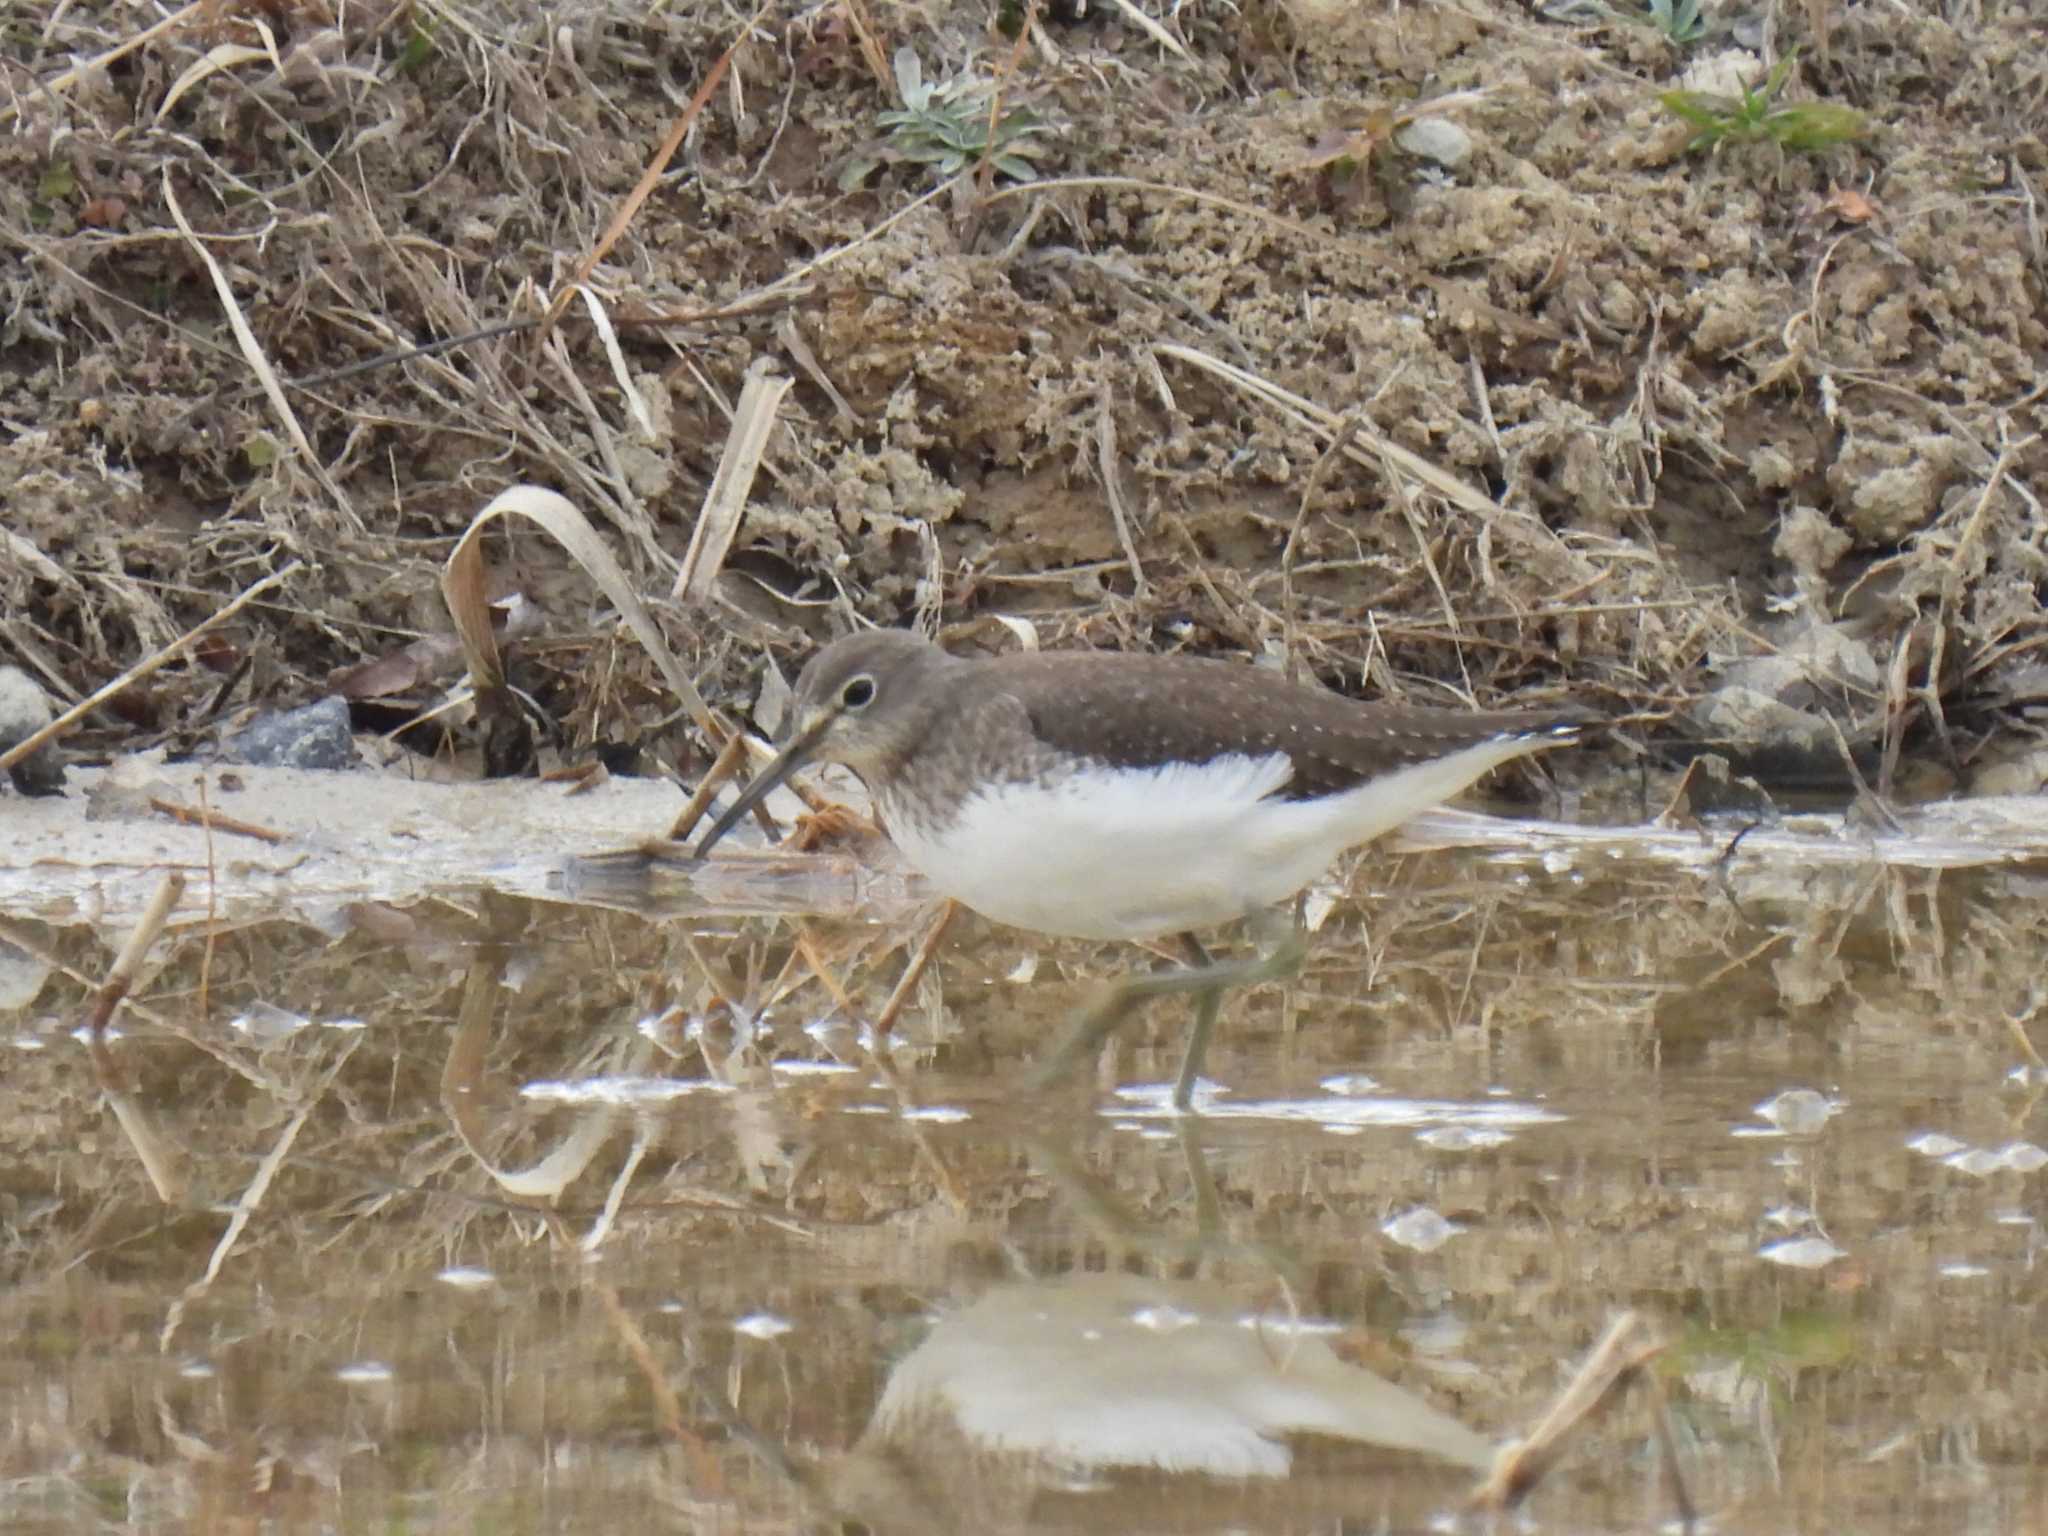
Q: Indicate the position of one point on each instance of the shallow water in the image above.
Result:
(494, 1214)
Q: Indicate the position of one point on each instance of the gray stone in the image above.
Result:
(313, 736)
(24, 710)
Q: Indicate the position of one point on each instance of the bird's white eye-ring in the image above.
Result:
(858, 693)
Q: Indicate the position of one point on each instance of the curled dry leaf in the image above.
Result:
(1849, 205)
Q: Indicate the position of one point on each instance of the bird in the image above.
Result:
(1127, 796)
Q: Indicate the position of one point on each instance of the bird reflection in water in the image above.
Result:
(1096, 1400)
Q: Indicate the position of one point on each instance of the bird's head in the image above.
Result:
(860, 701)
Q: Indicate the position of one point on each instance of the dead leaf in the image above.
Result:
(1849, 205)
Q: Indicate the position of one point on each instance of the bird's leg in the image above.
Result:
(1208, 1004)
(1208, 979)
(1277, 962)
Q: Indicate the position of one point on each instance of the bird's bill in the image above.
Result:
(766, 782)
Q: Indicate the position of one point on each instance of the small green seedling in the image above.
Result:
(1679, 20)
(947, 126)
(1755, 116)
(419, 47)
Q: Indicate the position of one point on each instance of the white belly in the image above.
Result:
(1134, 853)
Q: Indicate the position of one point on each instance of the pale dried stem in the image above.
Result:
(1615, 1363)
(885, 1021)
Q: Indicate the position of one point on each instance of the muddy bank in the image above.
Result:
(1742, 440)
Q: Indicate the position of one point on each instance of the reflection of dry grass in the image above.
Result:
(1457, 973)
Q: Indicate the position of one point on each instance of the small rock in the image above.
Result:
(24, 710)
(1813, 668)
(21, 977)
(1780, 706)
(313, 736)
(1436, 139)
(1749, 719)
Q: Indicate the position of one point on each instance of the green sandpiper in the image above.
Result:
(1100, 795)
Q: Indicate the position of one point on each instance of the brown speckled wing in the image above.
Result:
(1138, 711)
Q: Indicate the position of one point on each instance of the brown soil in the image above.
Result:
(1710, 408)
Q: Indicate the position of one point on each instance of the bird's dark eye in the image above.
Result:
(858, 693)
